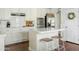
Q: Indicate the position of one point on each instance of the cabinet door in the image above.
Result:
(17, 21)
(2, 43)
(13, 37)
(8, 12)
(41, 12)
(27, 12)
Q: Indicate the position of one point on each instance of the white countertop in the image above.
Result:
(16, 29)
(26, 29)
(45, 30)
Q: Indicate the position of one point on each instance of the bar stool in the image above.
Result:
(61, 44)
(46, 42)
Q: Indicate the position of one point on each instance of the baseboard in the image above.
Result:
(16, 43)
(72, 42)
(30, 49)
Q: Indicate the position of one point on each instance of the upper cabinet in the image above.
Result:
(41, 12)
(8, 12)
(27, 12)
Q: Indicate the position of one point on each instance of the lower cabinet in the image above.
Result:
(2, 39)
(15, 37)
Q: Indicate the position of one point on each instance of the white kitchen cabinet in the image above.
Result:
(24, 35)
(13, 38)
(30, 13)
(17, 21)
(27, 12)
(41, 12)
(15, 35)
(2, 39)
(8, 12)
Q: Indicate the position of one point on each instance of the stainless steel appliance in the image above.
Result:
(40, 22)
(50, 20)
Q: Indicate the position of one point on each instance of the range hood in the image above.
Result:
(17, 14)
(50, 15)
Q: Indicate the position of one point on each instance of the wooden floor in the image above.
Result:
(18, 47)
(24, 47)
(71, 46)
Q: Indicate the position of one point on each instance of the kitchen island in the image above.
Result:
(36, 35)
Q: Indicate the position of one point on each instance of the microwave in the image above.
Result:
(40, 22)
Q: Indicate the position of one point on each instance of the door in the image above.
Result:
(70, 25)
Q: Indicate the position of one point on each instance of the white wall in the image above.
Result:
(55, 11)
(72, 34)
